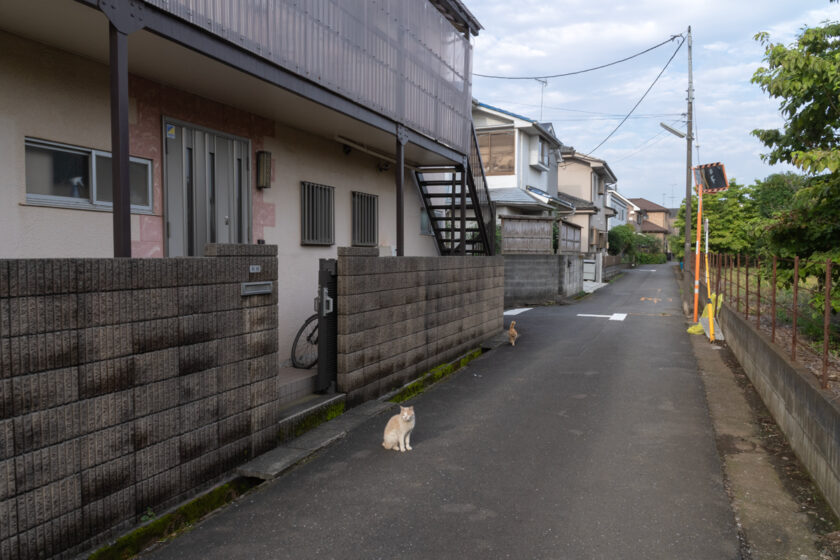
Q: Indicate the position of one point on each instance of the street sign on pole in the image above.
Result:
(708, 178)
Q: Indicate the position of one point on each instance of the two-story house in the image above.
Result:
(150, 128)
(652, 219)
(584, 180)
(520, 157)
(622, 207)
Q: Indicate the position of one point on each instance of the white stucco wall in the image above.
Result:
(63, 98)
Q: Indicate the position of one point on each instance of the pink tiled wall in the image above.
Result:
(155, 101)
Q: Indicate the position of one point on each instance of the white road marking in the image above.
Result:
(613, 317)
(646, 269)
(517, 311)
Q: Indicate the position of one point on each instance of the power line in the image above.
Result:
(644, 145)
(640, 100)
(595, 113)
(671, 38)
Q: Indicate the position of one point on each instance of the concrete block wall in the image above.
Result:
(531, 279)
(399, 317)
(808, 416)
(570, 274)
(127, 384)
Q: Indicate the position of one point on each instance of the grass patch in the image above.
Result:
(433, 376)
(173, 523)
(312, 421)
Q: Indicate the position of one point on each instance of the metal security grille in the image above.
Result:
(365, 219)
(317, 214)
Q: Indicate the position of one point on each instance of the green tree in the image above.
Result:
(805, 77)
(621, 240)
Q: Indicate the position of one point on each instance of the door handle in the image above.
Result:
(326, 302)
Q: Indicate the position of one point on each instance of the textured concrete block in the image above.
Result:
(199, 442)
(198, 357)
(8, 484)
(155, 397)
(105, 411)
(106, 445)
(109, 376)
(44, 466)
(156, 428)
(198, 414)
(4, 278)
(197, 386)
(8, 519)
(44, 390)
(156, 366)
(236, 427)
(110, 511)
(48, 502)
(7, 439)
(49, 427)
(200, 471)
(155, 491)
(107, 479)
(157, 458)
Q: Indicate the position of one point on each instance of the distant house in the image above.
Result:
(583, 181)
(652, 219)
(520, 157)
(622, 207)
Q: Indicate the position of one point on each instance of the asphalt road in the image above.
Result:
(591, 438)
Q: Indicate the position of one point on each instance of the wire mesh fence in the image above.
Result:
(789, 300)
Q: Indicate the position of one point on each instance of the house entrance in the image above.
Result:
(206, 181)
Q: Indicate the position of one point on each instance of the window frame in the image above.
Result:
(570, 242)
(91, 202)
(490, 163)
(308, 224)
(358, 230)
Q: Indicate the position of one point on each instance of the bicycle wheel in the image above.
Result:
(305, 347)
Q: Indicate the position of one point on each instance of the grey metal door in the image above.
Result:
(589, 270)
(207, 189)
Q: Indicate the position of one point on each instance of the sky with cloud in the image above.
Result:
(539, 38)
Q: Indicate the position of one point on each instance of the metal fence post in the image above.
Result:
(747, 288)
(826, 322)
(773, 305)
(738, 285)
(758, 293)
(795, 306)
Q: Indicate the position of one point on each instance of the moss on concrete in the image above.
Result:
(171, 524)
(314, 420)
(433, 376)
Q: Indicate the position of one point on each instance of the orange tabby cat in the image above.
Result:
(398, 430)
(512, 334)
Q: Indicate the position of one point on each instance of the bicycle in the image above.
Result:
(305, 346)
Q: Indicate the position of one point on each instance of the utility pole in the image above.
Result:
(688, 138)
(543, 83)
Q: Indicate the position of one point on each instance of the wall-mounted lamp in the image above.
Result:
(263, 170)
(383, 166)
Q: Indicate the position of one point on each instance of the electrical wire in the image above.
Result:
(640, 100)
(646, 144)
(671, 38)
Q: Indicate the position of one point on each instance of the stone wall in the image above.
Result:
(531, 279)
(399, 317)
(808, 415)
(570, 275)
(127, 385)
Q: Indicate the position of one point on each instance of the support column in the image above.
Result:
(125, 17)
(402, 139)
(464, 207)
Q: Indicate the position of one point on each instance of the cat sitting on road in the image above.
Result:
(398, 430)
(512, 334)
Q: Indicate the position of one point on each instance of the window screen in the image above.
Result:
(317, 214)
(365, 219)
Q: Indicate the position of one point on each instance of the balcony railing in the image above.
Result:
(401, 59)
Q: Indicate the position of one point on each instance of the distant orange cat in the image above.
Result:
(512, 334)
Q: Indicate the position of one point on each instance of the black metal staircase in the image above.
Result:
(459, 207)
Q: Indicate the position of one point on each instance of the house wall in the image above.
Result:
(127, 384)
(574, 178)
(581, 220)
(64, 98)
(530, 175)
(570, 274)
(400, 317)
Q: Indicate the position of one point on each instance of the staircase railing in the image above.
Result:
(477, 182)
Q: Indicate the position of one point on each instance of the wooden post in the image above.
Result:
(773, 305)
